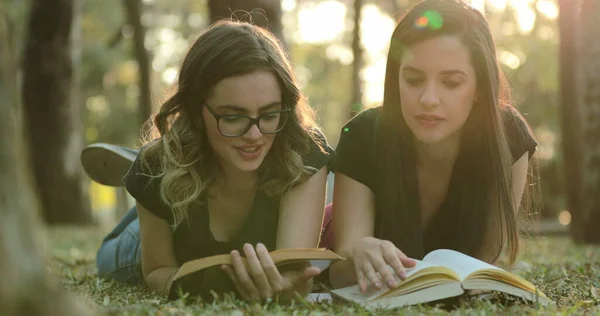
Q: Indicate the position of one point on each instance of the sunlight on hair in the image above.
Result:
(564, 218)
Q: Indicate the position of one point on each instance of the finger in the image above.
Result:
(406, 261)
(361, 279)
(236, 283)
(293, 278)
(311, 272)
(256, 272)
(273, 276)
(243, 277)
(391, 257)
(385, 273)
(371, 274)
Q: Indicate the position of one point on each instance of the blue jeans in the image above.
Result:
(120, 254)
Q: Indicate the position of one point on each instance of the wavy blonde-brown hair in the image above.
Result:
(177, 150)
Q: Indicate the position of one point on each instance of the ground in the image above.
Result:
(567, 273)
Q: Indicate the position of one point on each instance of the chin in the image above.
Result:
(248, 166)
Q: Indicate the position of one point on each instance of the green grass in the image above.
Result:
(564, 271)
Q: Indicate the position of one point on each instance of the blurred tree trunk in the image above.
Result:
(591, 108)
(54, 134)
(356, 103)
(142, 56)
(571, 119)
(265, 13)
(25, 288)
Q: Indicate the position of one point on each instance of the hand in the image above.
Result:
(372, 256)
(259, 278)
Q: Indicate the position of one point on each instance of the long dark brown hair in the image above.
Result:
(183, 156)
(480, 191)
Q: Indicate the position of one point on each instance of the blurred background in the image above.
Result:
(111, 63)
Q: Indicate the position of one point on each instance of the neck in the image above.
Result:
(440, 156)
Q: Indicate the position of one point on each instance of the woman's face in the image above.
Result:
(437, 88)
(252, 95)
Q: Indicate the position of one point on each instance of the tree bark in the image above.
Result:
(571, 142)
(264, 13)
(356, 103)
(591, 108)
(25, 288)
(142, 57)
(54, 134)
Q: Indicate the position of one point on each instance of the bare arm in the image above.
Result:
(158, 256)
(519, 178)
(353, 219)
(301, 213)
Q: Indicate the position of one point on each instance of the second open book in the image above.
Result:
(443, 274)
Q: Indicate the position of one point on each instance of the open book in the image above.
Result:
(196, 272)
(443, 274)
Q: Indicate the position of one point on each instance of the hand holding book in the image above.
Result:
(258, 278)
(201, 276)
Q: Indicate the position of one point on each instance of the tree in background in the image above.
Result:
(134, 11)
(26, 288)
(264, 13)
(572, 145)
(356, 103)
(590, 51)
(51, 118)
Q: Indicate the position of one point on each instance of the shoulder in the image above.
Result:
(365, 121)
(519, 135)
(143, 181)
(357, 147)
(319, 151)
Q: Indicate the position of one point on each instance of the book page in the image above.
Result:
(460, 263)
(353, 292)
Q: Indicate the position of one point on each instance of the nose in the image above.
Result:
(253, 133)
(430, 98)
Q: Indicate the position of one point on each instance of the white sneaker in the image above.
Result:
(107, 164)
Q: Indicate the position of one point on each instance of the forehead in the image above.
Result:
(437, 53)
(248, 90)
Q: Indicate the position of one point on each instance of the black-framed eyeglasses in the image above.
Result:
(234, 125)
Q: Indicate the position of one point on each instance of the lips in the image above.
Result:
(429, 117)
(429, 120)
(249, 153)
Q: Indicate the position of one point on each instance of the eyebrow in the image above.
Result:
(245, 110)
(445, 72)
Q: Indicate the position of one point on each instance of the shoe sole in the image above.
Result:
(107, 164)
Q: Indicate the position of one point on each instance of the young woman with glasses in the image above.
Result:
(443, 163)
(235, 165)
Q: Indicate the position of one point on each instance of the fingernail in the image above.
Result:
(391, 283)
(377, 285)
(403, 275)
